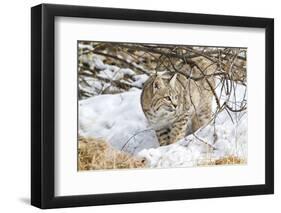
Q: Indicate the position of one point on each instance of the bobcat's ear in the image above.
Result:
(158, 84)
(173, 81)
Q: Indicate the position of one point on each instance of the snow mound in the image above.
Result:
(216, 140)
(174, 155)
(117, 119)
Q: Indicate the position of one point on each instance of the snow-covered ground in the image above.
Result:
(119, 119)
(202, 147)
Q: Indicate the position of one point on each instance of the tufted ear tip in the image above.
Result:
(173, 81)
(158, 84)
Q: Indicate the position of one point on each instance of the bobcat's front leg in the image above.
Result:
(178, 130)
(163, 136)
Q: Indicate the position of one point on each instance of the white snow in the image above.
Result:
(109, 72)
(139, 80)
(85, 46)
(97, 62)
(127, 71)
(118, 119)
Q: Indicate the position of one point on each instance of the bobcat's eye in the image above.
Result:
(168, 98)
(156, 85)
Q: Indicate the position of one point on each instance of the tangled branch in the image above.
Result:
(226, 66)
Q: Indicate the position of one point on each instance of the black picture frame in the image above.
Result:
(43, 105)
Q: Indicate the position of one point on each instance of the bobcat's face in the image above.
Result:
(165, 97)
(162, 96)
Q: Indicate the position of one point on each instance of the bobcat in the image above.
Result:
(176, 106)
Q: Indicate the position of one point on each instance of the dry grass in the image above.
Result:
(228, 160)
(96, 154)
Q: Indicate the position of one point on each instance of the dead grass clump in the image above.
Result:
(228, 160)
(96, 154)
